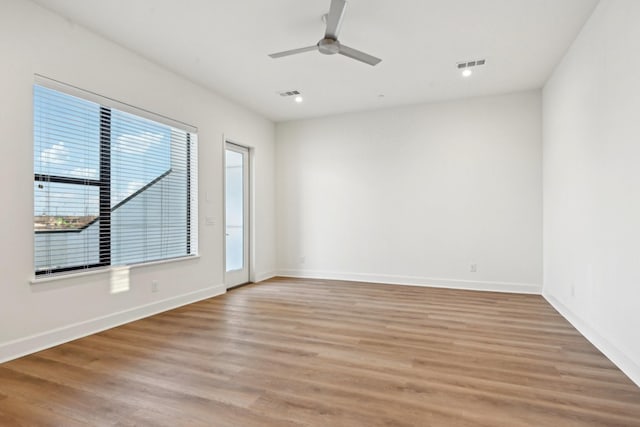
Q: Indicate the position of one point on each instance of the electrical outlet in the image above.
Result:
(154, 286)
(473, 268)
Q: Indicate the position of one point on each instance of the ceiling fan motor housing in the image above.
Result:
(329, 46)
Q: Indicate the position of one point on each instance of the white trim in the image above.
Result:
(102, 270)
(252, 217)
(31, 344)
(520, 288)
(223, 171)
(238, 277)
(619, 358)
(260, 277)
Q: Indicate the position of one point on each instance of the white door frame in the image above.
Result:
(239, 277)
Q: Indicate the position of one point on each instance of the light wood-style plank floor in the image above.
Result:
(293, 352)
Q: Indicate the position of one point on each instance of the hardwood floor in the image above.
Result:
(292, 352)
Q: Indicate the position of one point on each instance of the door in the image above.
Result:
(236, 215)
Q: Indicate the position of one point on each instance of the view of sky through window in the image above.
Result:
(67, 144)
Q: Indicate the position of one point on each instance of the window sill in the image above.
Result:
(105, 270)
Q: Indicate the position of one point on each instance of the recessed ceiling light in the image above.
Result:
(298, 99)
(466, 72)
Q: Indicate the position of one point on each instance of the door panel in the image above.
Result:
(236, 215)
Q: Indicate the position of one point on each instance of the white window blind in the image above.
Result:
(111, 187)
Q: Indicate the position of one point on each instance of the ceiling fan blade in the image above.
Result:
(334, 19)
(357, 55)
(294, 51)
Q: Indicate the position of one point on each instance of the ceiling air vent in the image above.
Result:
(289, 93)
(469, 64)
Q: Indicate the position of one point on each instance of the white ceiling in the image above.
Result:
(223, 45)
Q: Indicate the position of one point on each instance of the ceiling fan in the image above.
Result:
(330, 45)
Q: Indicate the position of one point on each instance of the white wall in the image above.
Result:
(592, 183)
(33, 40)
(415, 195)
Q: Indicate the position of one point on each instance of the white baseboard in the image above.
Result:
(521, 288)
(31, 344)
(621, 360)
(265, 276)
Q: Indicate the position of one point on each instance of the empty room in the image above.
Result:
(320, 213)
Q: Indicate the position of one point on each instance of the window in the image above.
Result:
(112, 186)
